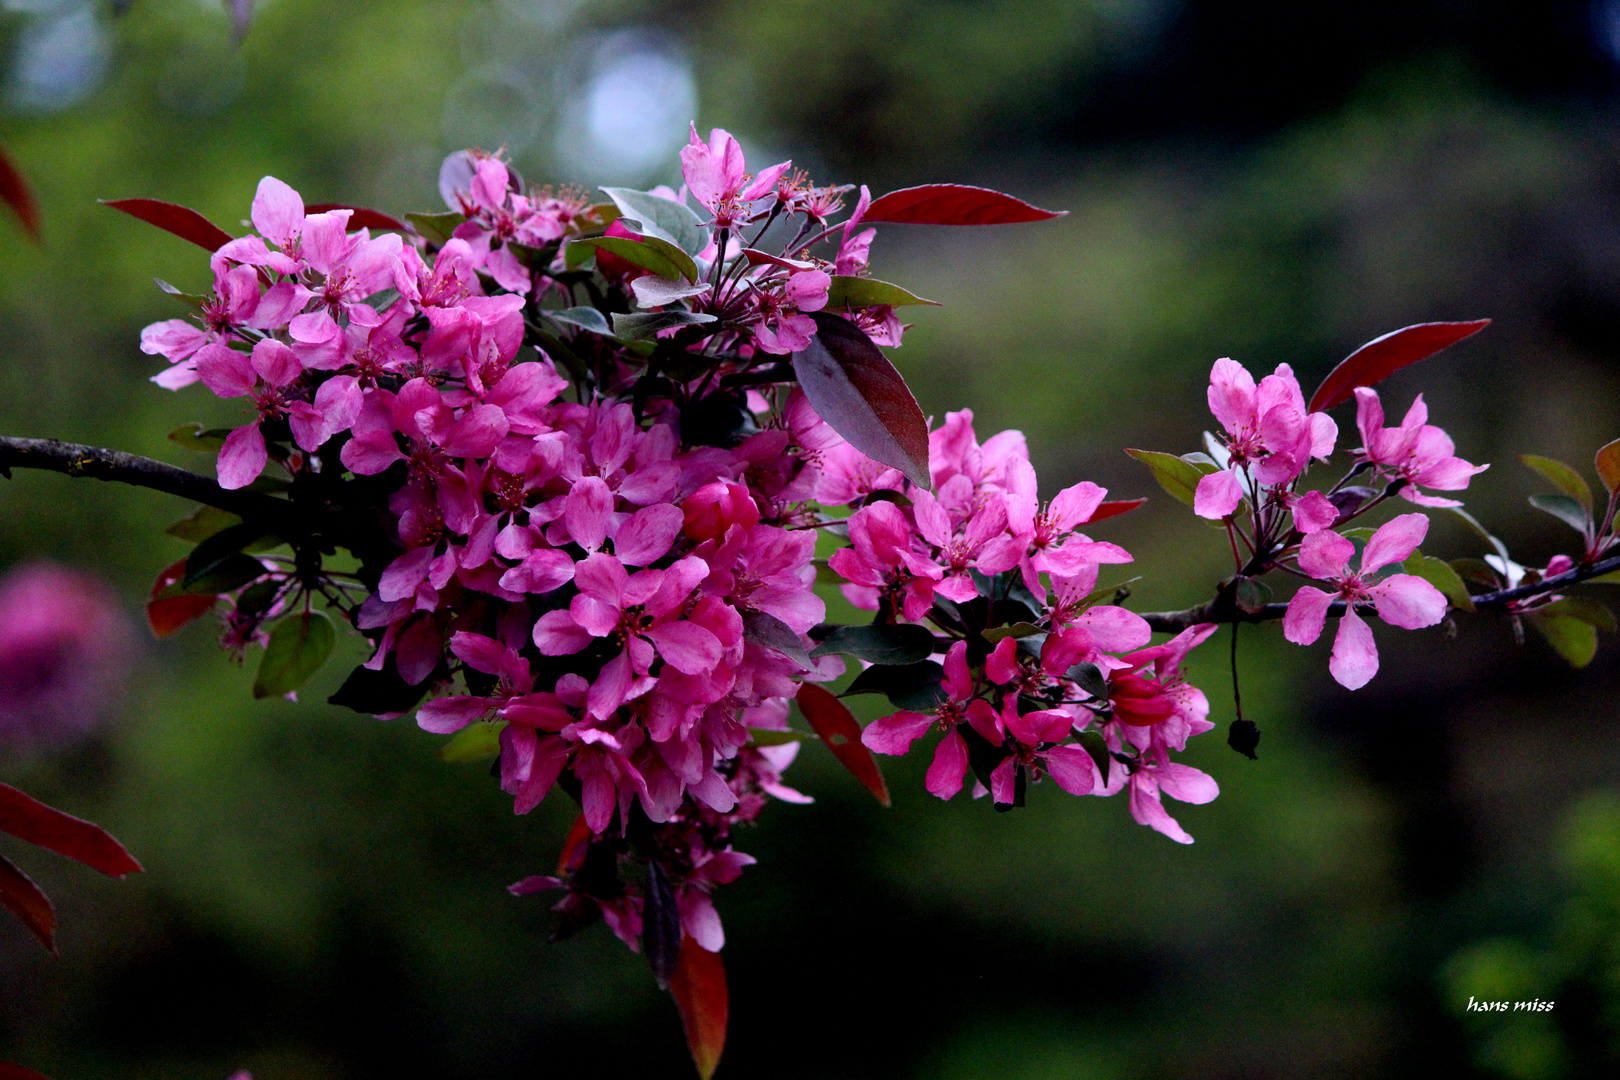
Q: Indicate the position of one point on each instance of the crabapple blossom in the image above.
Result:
(1270, 435)
(1402, 600)
(585, 492)
(1416, 452)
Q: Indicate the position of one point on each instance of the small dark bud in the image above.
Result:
(1243, 737)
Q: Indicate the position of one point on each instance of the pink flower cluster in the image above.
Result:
(1270, 440)
(948, 559)
(593, 524)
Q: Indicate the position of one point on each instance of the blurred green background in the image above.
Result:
(324, 898)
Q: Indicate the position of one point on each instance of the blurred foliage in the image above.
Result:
(324, 897)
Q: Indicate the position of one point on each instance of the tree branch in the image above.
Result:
(75, 459)
(1223, 610)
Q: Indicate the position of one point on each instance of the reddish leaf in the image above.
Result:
(699, 988)
(361, 218)
(852, 386)
(953, 204)
(184, 222)
(573, 848)
(1115, 508)
(1607, 462)
(16, 193)
(168, 615)
(25, 900)
(1382, 357)
(837, 727)
(12, 1071)
(29, 819)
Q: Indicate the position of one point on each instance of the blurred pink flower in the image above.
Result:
(65, 651)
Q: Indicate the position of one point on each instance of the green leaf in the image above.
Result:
(1097, 747)
(1611, 578)
(1480, 530)
(1439, 573)
(908, 686)
(201, 525)
(198, 438)
(560, 352)
(878, 644)
(1575, 640)
(1478, 571)
(859, 292)
(772, 633)
(257, 598)
(1178, 478)
(577, 254)
(1016, 630)
(479, 741)
(299, 645)
(1562, 477)
(659, 217)
(1607, 461)
(229, 574)
(583, 318)
(1584, 608)
(436, 228)
(1565, 509)
(645, 326)
(650, 253)
(383, 299)
(1089, 677)
(193, 299)
(217, 549)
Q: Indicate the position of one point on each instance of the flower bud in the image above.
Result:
(714, 508)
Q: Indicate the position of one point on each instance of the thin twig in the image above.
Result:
(1222, 610)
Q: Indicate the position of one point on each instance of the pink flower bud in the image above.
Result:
(714, 508)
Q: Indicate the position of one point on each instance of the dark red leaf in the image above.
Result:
(25, 900)
(361, 218)
(1382, 357)
(16, 193)
(168, 615)
(953, 204)
(699, 988)
(573, 848)
(184, 222)
(1116, 508)
(12, 1071)
(852, 386)
(29, 819)
(837, 727)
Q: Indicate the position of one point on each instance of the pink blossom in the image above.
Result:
(718, 179)
(1417, 451)
(1403, 600)
(1270, 435)
(895, 734)
(878, 564)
